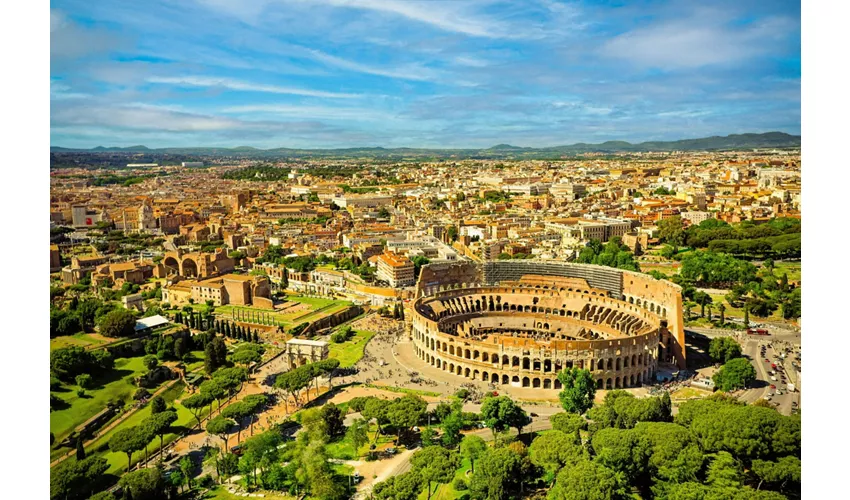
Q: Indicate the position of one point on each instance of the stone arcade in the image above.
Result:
(519, 323)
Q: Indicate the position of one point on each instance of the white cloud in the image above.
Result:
(407, 72)
(448, 15)
(69, 40)
(311, 112)
(701, 40)
(228, 83)
(60, 91)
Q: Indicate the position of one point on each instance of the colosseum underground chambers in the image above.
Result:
(519, 323)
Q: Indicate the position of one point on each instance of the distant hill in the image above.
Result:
(769, 140)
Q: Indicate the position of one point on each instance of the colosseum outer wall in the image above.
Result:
(659, 295)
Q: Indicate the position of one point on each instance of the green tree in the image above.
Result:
(84, 380)
(231, 379)
(159, 424)
(129, 440)
(187, 467)
(780, 474)
(471, 447)
(118, 323)
(499, 475)
(220, 426)
(150, 362)
(587, 481)
(334, 420)
(357, 433)
(554, 450)
(405, 412)
(702, 299)
(81, 451)
(75, 479)
(724, 349)
(435, 464)
(452, 425)
(724, 472)
(501, 412)
(247, 353)
(402, 487)
(621, 450)
(737, 373)
(672, 230)
(568, 423)
(579, 390)
(214, 390)
(722, 309)
(158, 405)
(196, 404)
(144, 484)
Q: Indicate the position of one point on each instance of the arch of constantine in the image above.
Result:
(519, 323)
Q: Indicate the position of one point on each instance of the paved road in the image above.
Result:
(784, 402)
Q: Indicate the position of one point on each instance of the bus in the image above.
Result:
(757, 331)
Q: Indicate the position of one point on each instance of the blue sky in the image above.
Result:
(456, 73)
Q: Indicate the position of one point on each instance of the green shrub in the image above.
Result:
(84, 380)
(459, 484)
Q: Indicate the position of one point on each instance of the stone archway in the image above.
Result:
(189, 268)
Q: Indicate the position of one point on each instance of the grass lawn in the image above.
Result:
(118, 461)
(109, 386)
(447, 491)
(220, 493)
(668, 268)
(735, 312)
(403, 390)
(349, 352)
(316, 308)
(198, 364)
(689, 393)
(80, 340)
(794, 270)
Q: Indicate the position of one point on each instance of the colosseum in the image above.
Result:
(519, 323)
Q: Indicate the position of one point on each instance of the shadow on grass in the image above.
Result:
(59, 404)
(111, 376)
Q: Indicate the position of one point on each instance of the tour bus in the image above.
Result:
(757, 331)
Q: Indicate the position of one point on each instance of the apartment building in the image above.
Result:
(395, 269)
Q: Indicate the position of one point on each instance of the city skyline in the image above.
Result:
(419, 74)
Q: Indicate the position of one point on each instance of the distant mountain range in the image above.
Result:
(769, 140)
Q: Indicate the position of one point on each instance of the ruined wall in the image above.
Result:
(665, 299)
(263, 303)
(447, 275)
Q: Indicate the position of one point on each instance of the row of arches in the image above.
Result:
(187, 267)
(619, 363)
(648, 305)
(619, 382)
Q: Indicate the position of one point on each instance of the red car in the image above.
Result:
(772, 386)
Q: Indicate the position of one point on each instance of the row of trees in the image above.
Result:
(757, 291)
(69, 362)
(779, 237)
(294, 382)
(716, 448)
